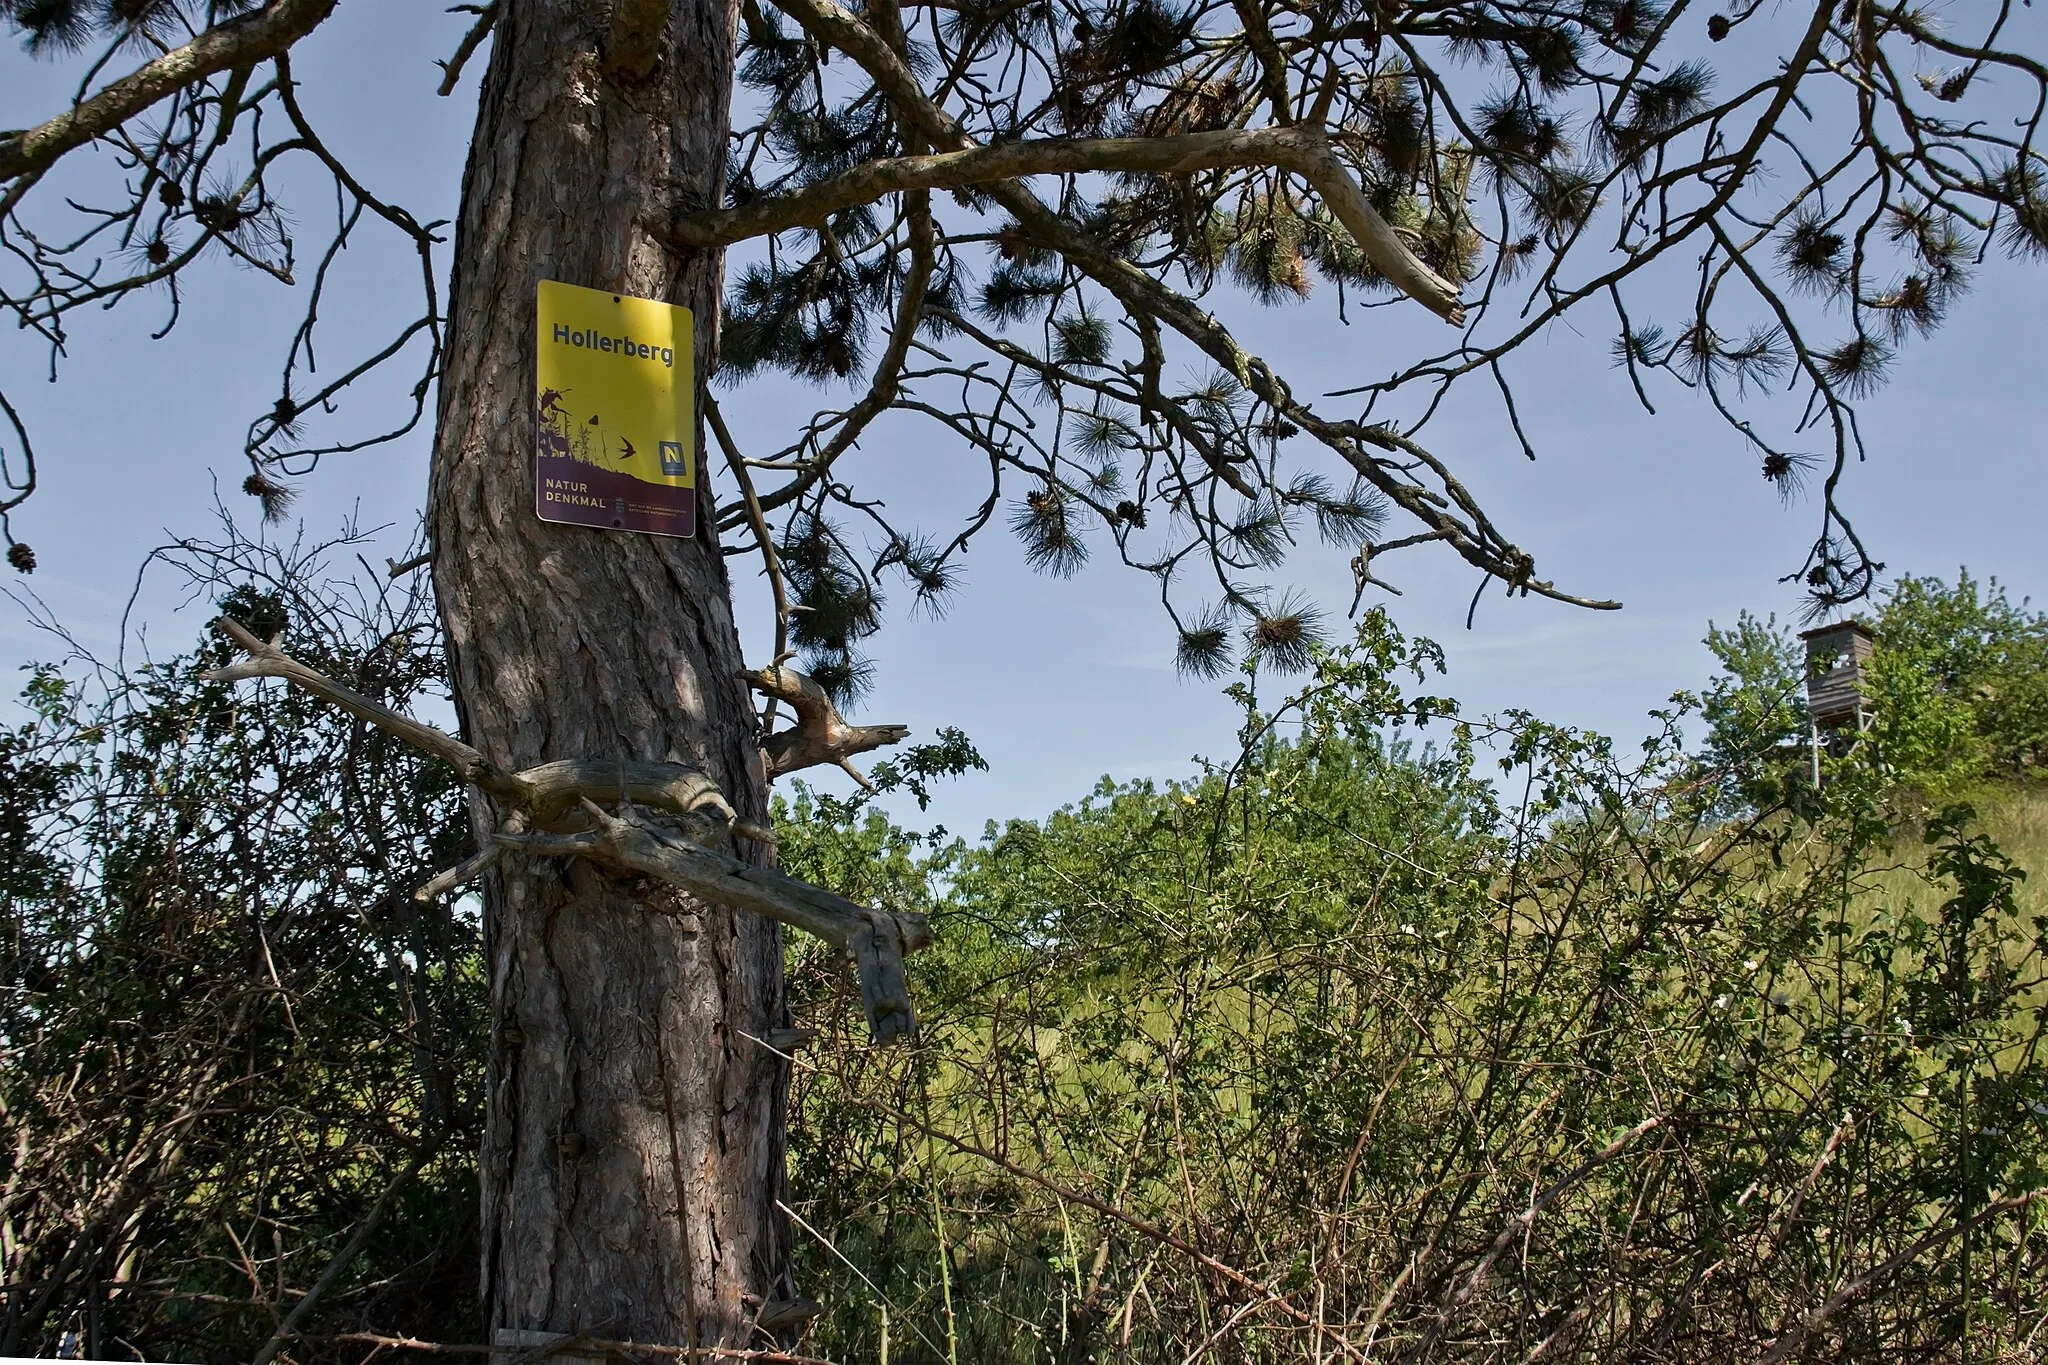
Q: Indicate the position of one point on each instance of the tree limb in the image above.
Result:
(1302, 150)
(548, 794)
(1176, 154)
(559, 798)
(462, 874)
(877, 939)
(1258, 36)
(239, 42)
(1317, 162)
(828, 23)
(266, 660)
(888, 376)
(451, 70)
(820, 735)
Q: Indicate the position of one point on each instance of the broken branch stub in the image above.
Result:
(820, 735)
(553, 810)
(556, 791)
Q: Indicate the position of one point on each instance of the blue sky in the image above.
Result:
(1058, 682)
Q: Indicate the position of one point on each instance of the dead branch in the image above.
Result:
(560, 800)
(462, 874)
(820, 735)
(451, 69)
(781, 1315)
(877, 939)
(548, 795)
(266, 660)
(554, 792)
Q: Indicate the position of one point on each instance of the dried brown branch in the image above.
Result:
(266, 660)
(560, 799)
(877, 939)
(462, 874)
(820, 735)
(451, 69)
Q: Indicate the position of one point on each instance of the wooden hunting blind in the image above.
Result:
(1835, 657)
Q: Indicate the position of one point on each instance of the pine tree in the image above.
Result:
(1023, 220)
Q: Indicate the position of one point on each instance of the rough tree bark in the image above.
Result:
(622, 1010)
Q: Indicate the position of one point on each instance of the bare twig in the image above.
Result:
(451, 69)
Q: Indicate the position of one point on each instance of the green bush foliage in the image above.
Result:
(1401, 1037)
(227, 1026)
(1396, 1034)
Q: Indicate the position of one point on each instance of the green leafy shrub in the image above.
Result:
(1397, 1035)
(1407, 1037)
(227, 1026)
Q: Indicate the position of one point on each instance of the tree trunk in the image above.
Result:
(621, 1010)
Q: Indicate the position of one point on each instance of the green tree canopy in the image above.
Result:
(1957, 687)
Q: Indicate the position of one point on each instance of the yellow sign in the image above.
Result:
(615, 412)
